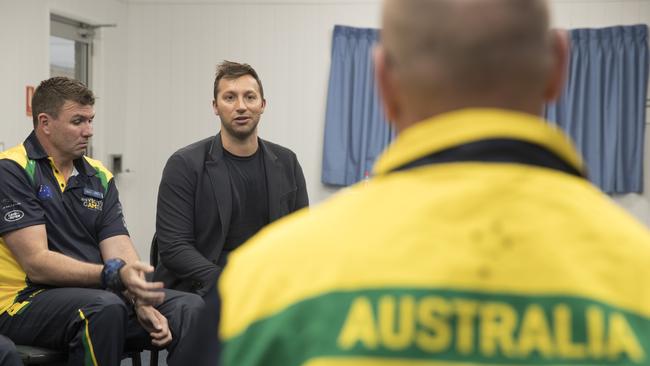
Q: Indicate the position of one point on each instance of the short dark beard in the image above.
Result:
(239, 135)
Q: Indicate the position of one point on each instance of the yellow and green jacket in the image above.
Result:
(478, 242)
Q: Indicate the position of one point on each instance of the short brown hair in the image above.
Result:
(234, 70)
(52, 93)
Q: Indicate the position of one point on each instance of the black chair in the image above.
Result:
(153, 260)
(48, 357)
(154, 257)
(41, 356)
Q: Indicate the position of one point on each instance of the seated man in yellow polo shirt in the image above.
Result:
(70, 278)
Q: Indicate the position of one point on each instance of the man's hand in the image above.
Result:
(147, 293)
(154, 323)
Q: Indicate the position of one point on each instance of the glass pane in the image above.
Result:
(81, 64)
(70, 59)
(62, 57)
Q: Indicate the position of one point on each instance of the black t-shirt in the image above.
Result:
(250, 204)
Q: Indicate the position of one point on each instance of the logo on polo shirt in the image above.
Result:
(9, 203)
(92, 193)
(92, 204)
(14, 215)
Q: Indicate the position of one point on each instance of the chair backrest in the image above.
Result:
(153, 251)
(153, 260)
(32, 355)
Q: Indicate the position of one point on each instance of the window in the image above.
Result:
(70, 48)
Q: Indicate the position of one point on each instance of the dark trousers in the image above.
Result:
(8, 354)
(97, 326)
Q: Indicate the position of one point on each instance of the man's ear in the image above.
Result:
(263, 105)
(44, 122)
(559, 67)
(214, 107)
(386, 83)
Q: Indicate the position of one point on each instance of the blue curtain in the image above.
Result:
(356, 131)
(603, 105)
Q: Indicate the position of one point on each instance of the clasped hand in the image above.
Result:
(155, 323)
(145, 292)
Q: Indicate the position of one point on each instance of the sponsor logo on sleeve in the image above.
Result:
(14, 215)
(8, 203)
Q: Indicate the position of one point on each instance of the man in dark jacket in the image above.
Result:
(218, 192)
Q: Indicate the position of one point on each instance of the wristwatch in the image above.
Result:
(111, 279)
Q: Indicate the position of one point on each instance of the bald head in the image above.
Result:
(469, 51)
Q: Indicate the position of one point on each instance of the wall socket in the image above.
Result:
(2, 146)
(116, 163)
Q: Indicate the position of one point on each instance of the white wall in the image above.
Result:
(154, 72)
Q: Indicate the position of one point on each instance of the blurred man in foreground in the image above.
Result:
(479, 241)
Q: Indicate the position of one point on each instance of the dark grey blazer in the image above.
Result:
(195, 203)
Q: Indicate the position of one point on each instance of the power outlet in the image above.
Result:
(116, 163)
(2, 146)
